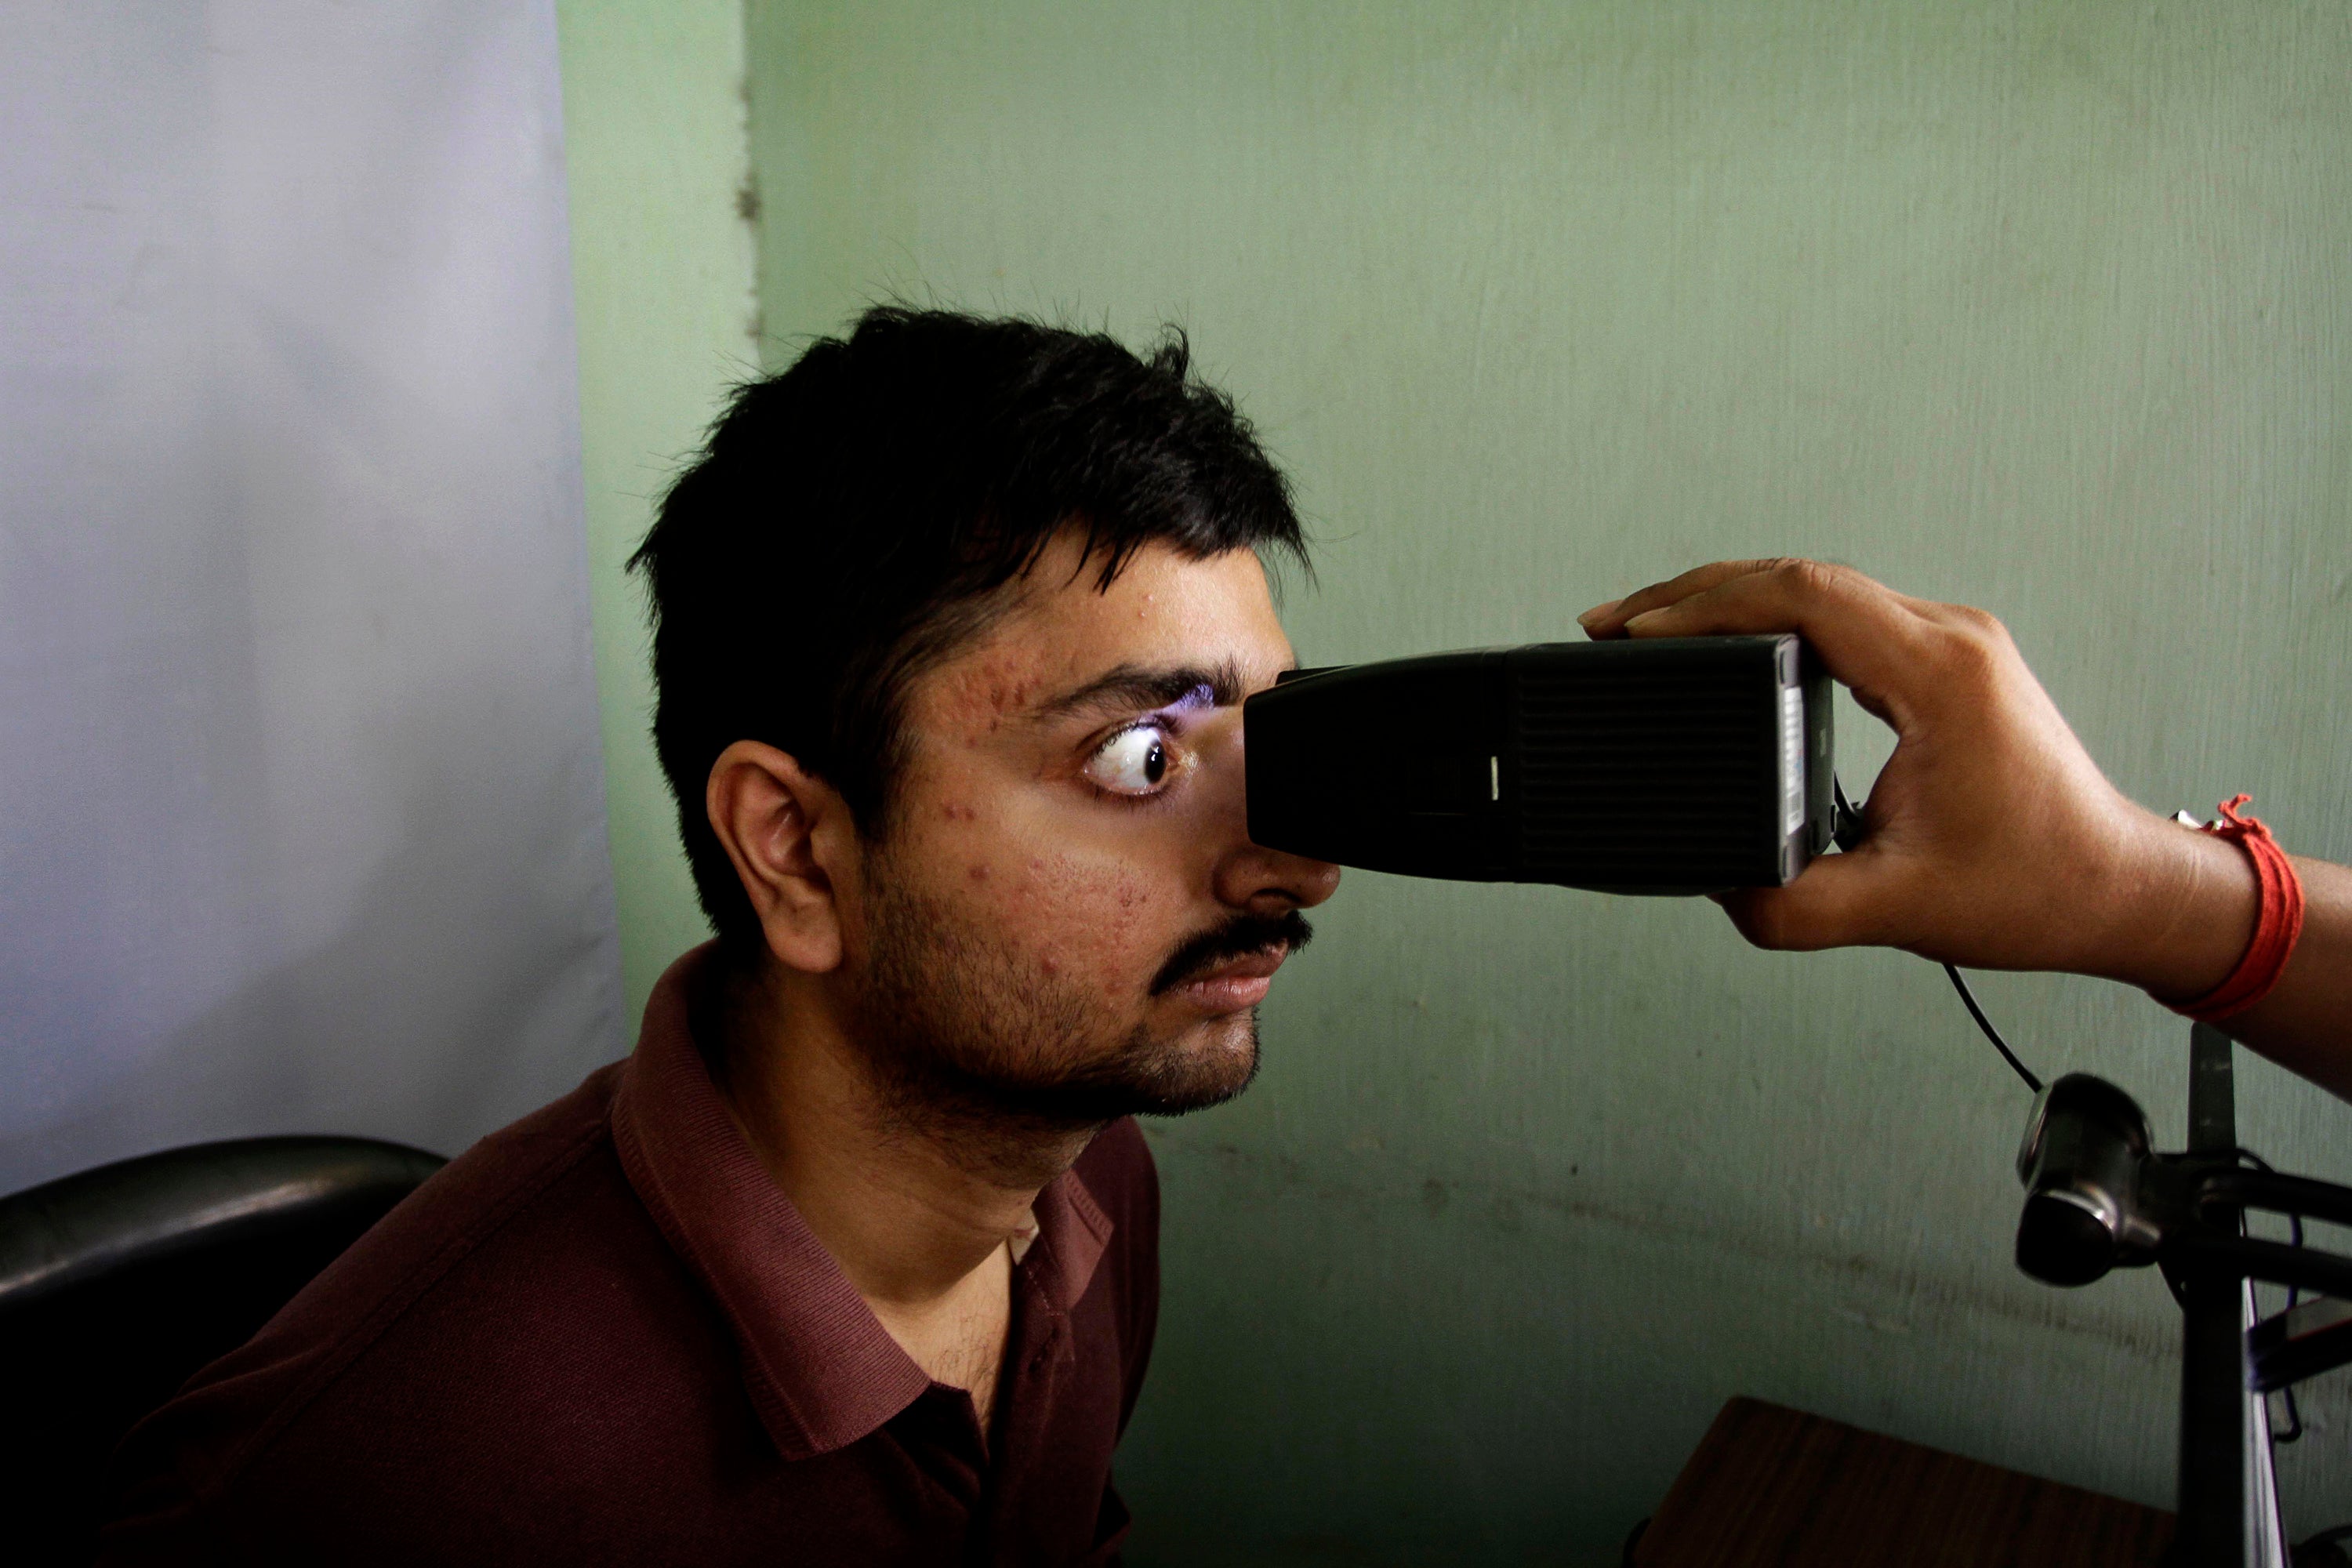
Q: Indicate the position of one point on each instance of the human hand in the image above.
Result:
(1992, 838)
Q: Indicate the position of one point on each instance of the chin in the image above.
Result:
(1209, 1065)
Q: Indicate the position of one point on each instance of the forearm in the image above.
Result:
(2198, 916)
(2305, 1024)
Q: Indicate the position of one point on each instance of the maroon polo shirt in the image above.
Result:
(605, 1335)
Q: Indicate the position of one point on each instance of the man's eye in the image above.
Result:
(1133, 761)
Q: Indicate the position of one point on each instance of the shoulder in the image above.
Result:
(444, 1342)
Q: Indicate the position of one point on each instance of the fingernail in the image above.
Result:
(1598, 613)
(1647, 616)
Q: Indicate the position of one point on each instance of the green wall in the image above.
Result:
(2041, 306)
(662, 281)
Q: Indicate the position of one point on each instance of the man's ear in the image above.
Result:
(786, 830)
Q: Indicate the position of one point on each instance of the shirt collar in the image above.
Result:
(820, 1368)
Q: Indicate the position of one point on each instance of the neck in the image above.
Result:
(909, 1205)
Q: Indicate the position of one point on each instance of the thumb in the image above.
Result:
(1839, 900)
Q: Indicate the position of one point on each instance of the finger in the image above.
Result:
(1597, 616)
(1607, 620)
(1869, 637)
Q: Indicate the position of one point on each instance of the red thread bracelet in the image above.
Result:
(2276, 928)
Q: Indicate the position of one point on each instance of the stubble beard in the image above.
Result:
(967, 1040)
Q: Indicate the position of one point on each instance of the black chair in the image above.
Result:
(116, 1285)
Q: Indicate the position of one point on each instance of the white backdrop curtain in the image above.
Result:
(301, 812)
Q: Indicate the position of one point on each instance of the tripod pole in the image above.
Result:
(2228, 1490)
(2211, 1531)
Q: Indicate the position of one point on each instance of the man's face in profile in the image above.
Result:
(1064, 920)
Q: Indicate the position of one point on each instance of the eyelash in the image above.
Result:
(1178, 759)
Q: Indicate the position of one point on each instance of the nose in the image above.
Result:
(1272, 881)
(1250, 876)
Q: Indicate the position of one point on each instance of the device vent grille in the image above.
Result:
(1630, 776)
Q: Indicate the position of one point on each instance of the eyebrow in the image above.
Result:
(1129, 689)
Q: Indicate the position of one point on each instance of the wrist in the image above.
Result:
(2191, 902)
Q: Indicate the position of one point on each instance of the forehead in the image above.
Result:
(1064, 630)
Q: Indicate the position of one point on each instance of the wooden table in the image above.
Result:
(1770, 1485)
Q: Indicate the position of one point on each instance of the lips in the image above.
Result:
(1229, 966)
(1235, 983)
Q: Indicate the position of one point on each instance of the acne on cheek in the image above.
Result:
(1078, 916)
(1105, 925)
(1009, 889)
(1083, 914)
(975, 872)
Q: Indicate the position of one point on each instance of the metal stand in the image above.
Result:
(2099, 1197)
(2227, 1493)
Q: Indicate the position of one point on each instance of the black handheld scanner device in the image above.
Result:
(1666, 766)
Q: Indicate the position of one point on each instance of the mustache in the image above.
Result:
(1238, 937)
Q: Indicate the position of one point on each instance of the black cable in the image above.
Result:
(2294, 1432)
(1845, 818)
(1846, 831)
(1969, 997)
(2294, 1294)
(2294, 1220)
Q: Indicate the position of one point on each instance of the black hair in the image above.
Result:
(851, 519)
